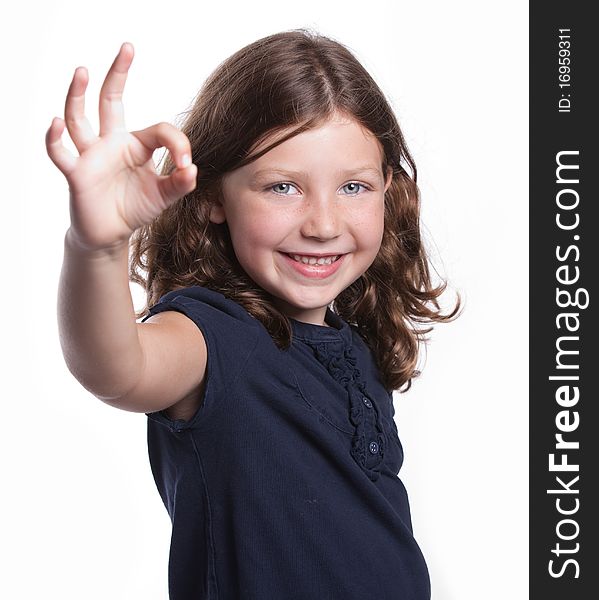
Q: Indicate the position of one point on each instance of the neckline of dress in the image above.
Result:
(337, 330)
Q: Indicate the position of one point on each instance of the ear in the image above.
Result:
(389, 177)
(217, 210)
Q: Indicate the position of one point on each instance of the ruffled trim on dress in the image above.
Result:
(340, 361)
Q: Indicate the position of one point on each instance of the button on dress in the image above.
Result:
(284, 484)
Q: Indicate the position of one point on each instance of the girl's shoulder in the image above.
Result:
(227, 328)
(216, 329)
(202, 301)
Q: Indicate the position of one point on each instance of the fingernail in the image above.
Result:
(185, 161)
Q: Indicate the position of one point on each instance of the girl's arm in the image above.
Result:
(114, 189)
(140, 367)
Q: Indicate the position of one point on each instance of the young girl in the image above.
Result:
(287, 284)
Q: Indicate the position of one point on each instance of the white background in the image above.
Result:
(81, 517)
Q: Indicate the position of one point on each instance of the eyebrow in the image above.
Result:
(290, 173)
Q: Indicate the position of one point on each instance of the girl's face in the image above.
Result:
(317, 196)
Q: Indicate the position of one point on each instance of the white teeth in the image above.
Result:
(311, 260)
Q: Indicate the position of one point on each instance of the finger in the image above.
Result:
(178, 183)
(78, 126)
(165, 135)
(58, 154)
(112, 112)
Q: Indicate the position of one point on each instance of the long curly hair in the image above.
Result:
(294, 80)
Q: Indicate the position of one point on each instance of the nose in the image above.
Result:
(322, 220)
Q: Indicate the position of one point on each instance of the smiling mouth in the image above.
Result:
(315, 260)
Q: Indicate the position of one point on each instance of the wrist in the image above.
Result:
(74, 243)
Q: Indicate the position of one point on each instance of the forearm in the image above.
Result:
(96, 320)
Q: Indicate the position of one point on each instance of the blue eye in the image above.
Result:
(355, 184)
(284, 191)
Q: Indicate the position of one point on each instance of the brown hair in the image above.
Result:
(294, 79)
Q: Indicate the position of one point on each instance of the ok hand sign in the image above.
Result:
(114, 187)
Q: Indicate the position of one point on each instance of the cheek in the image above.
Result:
(373, 241)
(369, 223)
(255, 230)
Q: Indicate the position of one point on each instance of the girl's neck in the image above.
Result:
(314, 316)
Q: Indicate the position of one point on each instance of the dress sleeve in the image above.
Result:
(230, 333)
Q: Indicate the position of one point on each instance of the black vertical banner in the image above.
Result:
(564, 254)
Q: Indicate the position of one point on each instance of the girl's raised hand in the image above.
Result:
(113, 183)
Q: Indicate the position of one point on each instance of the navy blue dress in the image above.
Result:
(284, 485)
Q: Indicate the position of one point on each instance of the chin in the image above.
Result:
(310, 301)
